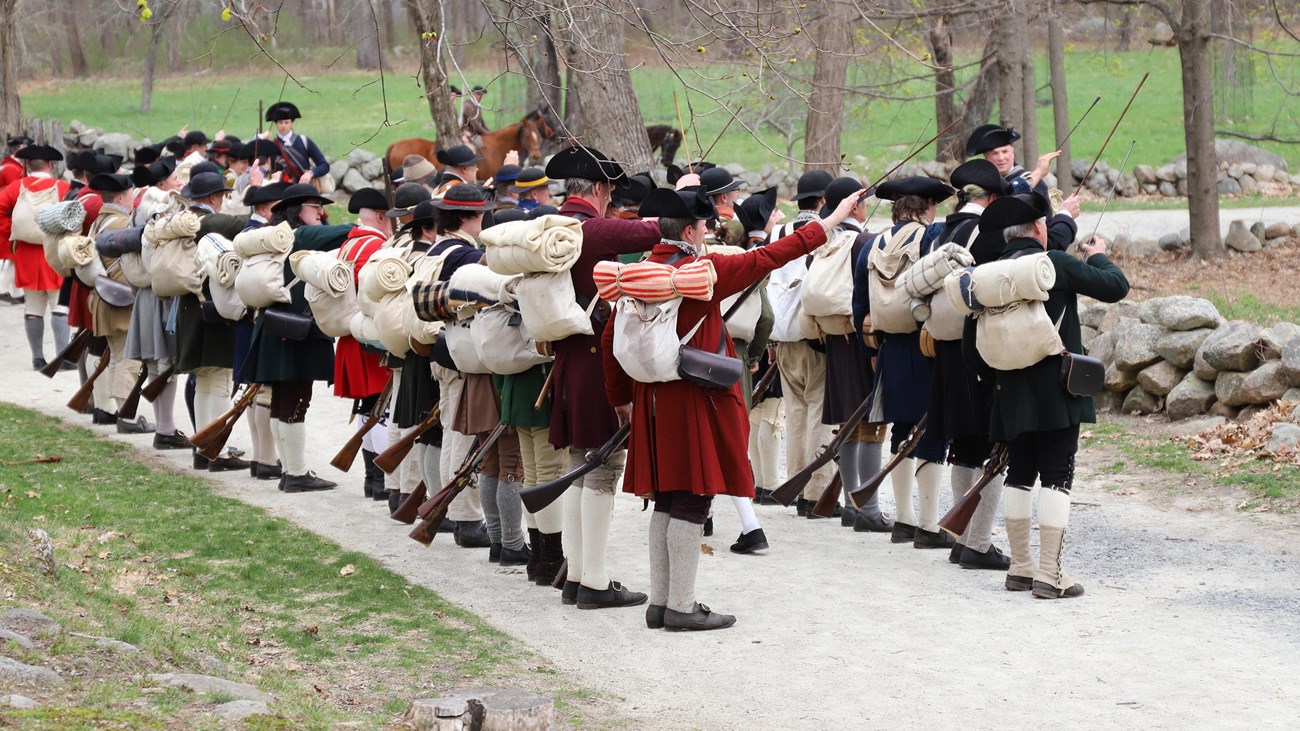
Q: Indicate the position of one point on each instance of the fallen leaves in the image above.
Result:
(347, 570)
(706, 549)
(1236, 444)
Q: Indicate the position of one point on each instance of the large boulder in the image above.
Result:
(1092, 315)
(1135, 344)
(1159, 378)
(1180, 312)
(1277, 229)
(1145, 174)
(1240, 238)
(1119, 380)
(1102, 347)
(1275, 339)
(114, 143)
(1111, 401)
(372, 169)
(339, 168)
(1265, 384)
(1179, 348)
(1285, 437)
(1228, 388)
(1139, 401)
(1233, 346)
(361, 157)
(1291, 362)
(1236, 152)
(1191, 397)
(353, 181)
(1117, 312)
(1204, 370)
(1225, 186)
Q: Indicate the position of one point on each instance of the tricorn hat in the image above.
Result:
(147, 154)
(174, 145)
(918, 185)
(669, 203)
(1012, 210)
(282, 110)
(424, 214)
(837, 191)
(982, 174)
(197, 137)
(107, 163)
(299, 194)
(371, 198)
(77, 160)
(16, 140)
(406, 197)
(256, 195)
(675, 173)
(989, 137)
(634, 192)
(39, 152)
(457, 156)
(756, 209)
(110, 183)
(203, 185)
(530, 178)
(260, 149)
(586, 163)
(153, 173)
(717, 181)
(462, 197)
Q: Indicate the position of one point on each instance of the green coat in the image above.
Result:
(519, 394)
(1032, 399)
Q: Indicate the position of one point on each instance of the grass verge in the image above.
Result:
(209, 585)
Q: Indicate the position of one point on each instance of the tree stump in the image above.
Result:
(483, 709)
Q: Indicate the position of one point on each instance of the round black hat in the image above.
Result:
(717, 181)
(458, 156)
(837, 191)
(982, 174)
(812, 184)
(110, 183)
(406, 197)
(256, 195)
(506, 174)
(540, 211)
(462, 197)
(147, 154)
(197, 137)
(300, 193)
(1012, 210)
(205, 166)
(371, 198)
(203, 185)
(510, 215)
(918, 185)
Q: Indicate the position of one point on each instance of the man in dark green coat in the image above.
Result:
(1031, 410)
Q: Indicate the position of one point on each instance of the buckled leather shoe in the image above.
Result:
(803, 507)
(654, 616)
(954, 556)
(139, 426)
(755, 540)
(305, 483)
(494, 553)
(848, 516)
(171, 441)
(102, 418)
(471, 534)
(201, 462)
(614, 596)
(902, 533)
(701, 619)
(231, 464)
(38, 363)
(932, 539)
(265, 471)
(992, 559)
(872, 523)
(1044, 590)
(708, 527)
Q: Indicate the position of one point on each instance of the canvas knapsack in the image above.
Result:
(30, 202)
(827, 294)
(891, 307)
(1016, 332)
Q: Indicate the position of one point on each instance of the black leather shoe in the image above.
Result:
(139, 426)
(654, 616)
(614, 596)
(102, 418)
(1018, 583)
(171, 441)
(992, 559)
(569, 594)
(447, 526)
(394, 500)
(232, 464)
(67, 366)
(848, 516)
(699, 620)
(872, 523)
(932, 539)
(472, 534)
(511, 557)
(265, 471)
(803, 507)
(763, 496)
(305, 483)
(902, 533)
(755, 540)
(708, 526)
(201, 463)
(38, 363)
(954, 556)
(1044, 590)
(494, 553)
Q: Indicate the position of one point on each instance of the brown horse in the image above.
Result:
(666, 139)
(526, 136)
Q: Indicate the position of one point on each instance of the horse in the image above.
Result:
(526, 136)
(666, 139)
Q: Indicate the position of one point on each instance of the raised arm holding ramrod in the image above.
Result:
(867, 489)
(348, 453)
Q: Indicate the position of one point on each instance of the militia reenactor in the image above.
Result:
(688, 441)
(10, 171)
(582, 418)
(501, 185)
(32, 273)
(994, 143)
(724, 191)
(533, 188)
(626, 202)
(472, 126)
(302, 159)
(1031, 410)
(460, 166)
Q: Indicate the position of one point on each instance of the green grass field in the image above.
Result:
(346, 109)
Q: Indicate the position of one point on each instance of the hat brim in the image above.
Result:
(734, 184)
(444, 205)
(190, 193)
(398, 212)
(442, 159)
(299, 200)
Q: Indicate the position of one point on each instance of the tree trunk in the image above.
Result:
(366, 25)
(944, 86)
(1193, 35)
(978, 106)
(11, 111)
(1011, 97)
(332, 21)
(592, 36)
(1029, 91)
(150, 63)
(543, 65)
(573, 120)
(386, 20)
(176, 32)
(75, 52)
(427, 15)
(825, 119)
(1060, 100)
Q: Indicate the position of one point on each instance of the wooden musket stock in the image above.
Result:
(793, 487)
(391, 458)
(409, 509)
(81, 398)
(216, 433)
(764, 383)
(131, 405)
(825, 507)
(958, 517)
(869, 488)
(538, 497)
(71, 353)
(154, 388)
(434, 510)
(348, 453)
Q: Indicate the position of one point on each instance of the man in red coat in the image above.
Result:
(690, 442)
(32, 273)
(357, 372)
(11, 170)
(581, 418)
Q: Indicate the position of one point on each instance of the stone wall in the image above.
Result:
(1178, 356)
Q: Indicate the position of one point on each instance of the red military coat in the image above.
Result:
(688, 438)
(357, 373)
(580, 415)
(31, 271)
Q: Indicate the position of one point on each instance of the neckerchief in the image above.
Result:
(686, 247)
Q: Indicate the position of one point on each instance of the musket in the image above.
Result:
(211, 439)
(388, 181)
(131, 404)
(825, 507)
(1113, 188)
(793, 487)
(71, 353)
(869, 488)
(391, 458)
(539, 496)
(348, 453)
(232, 106)
(764, 383)
(154, 388)
(1084, 179)
(409, 508)
(434, 510)
(81, 399)
(958, 516)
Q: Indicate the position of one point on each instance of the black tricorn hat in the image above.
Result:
(754, 211)
(1012, 210)
(717, 181)
(16, 140)
(107, 163)
(259, 149)
(203, 185)
(153, 173)
(982, 174)
(634, 192)
(256, 195)
(371, 198)
(240, 151)
(540, 211)
(424, 214)
(586, 163)
(282, 110)
(77, 160)
(298, 194)
(837, 191)
(457, 156)
(462, 197)
(406, 197)
(918, 185)
(110, 183)
(39, 152)
(173, 144)
(147, 154)
(812, 184)
(197, 137)
(675, 173)
(989, 137)
(669, 203)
